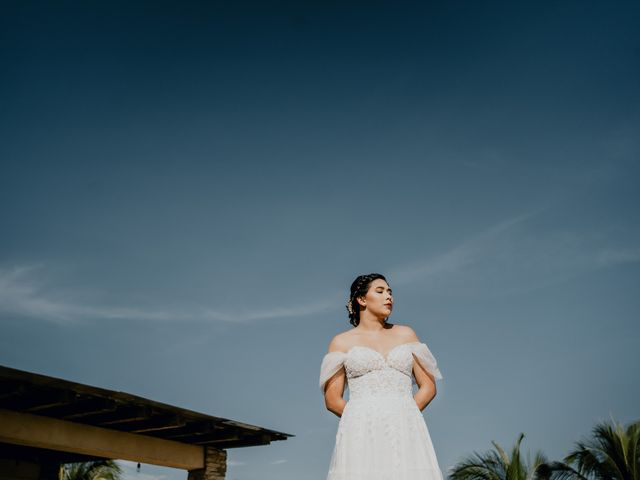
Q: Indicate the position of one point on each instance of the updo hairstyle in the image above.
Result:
(359, 288)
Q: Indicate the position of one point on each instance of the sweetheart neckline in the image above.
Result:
(384, 357)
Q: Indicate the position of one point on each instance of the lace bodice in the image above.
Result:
(369, 372)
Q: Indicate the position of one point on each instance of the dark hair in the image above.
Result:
(359, 288)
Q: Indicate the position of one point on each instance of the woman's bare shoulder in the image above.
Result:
(341, 342)
(405, 333)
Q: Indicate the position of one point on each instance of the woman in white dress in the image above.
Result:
(381, 434)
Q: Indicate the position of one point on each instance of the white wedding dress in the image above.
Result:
(381, 434)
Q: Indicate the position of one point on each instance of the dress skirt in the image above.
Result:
(383, 438)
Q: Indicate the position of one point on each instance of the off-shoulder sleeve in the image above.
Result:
(331, 363)
(426, 359)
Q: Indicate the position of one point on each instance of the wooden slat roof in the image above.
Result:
(37, 394)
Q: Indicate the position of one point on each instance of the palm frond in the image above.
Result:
(610, 453)
(516, 470)
(633, 434)
(478, 467)
(538, 468)
(97, 470)
(610, 442)
(472, 472)
(563, 471)
(497, 464)
(501, 452)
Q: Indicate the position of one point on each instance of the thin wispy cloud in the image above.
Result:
(458, 258)
(514, 256)
(509, 257)
(24, 294)
(607, 258)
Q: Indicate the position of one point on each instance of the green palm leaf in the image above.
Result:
(97, 470)
(610, 453)
(497, 464)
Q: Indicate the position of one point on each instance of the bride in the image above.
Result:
(381, 434)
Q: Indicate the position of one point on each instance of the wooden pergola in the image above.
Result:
(47, 421)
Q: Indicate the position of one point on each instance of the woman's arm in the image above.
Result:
(334, 388)
(427, 386)
(425, 380)
(333, 392)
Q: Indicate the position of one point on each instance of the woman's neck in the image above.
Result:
(369, 323)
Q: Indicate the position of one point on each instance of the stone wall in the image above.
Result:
(215, 468)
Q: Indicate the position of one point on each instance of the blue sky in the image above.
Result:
(188, 189)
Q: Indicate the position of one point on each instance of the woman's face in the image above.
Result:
(379, 299)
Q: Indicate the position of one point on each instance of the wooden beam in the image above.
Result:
(89, 408)
(11, 388)
(121, 413)
(53, 434)
(212, 438)
(157, 424)
(191, 428)
(40, 399)
(126, 414)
